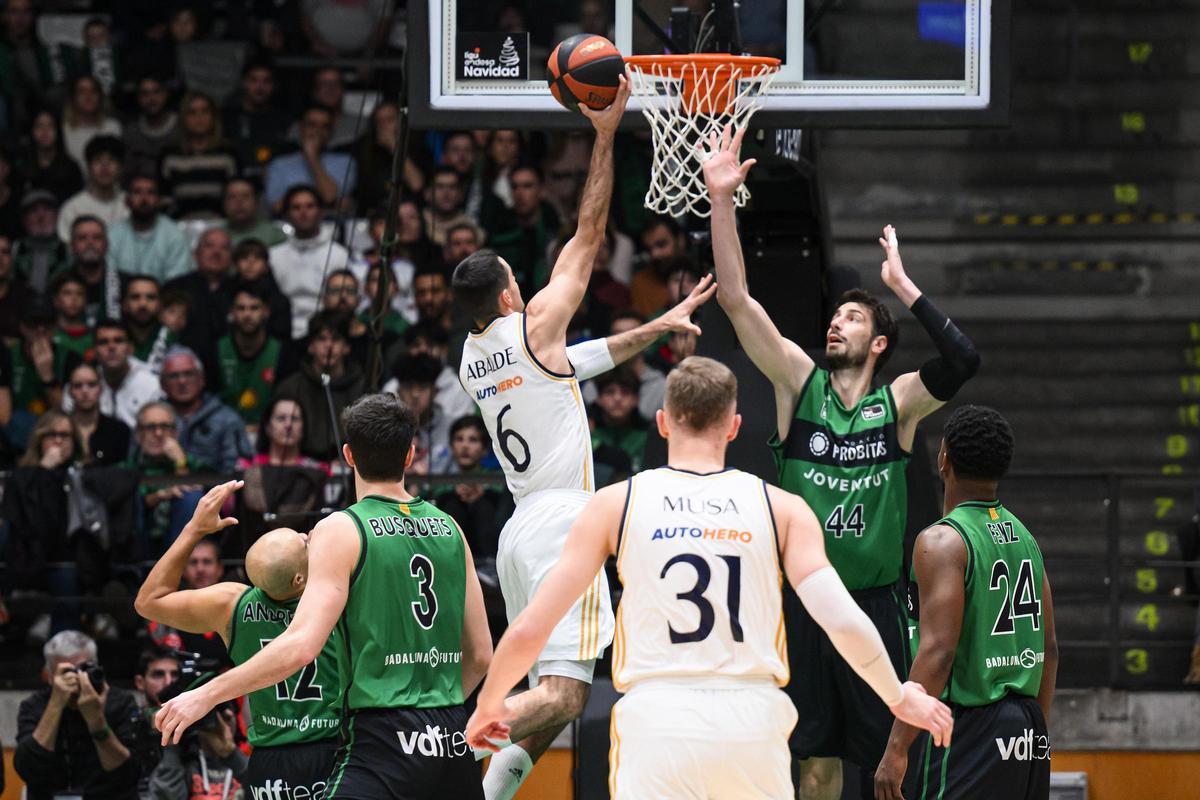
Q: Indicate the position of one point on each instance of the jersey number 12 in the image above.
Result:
(306, 687)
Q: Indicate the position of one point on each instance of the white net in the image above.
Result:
(685, 100)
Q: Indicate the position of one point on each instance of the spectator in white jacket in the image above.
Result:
(308, 254)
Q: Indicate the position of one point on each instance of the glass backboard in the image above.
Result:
(873, 63)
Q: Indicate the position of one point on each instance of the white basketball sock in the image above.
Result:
(506, 772)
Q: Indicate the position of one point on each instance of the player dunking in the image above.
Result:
(699, 644)
(395, 575)
(294, 724)
(985, 626)
(842, 445)
(517, 367)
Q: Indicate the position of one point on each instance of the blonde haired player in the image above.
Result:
(700, 650)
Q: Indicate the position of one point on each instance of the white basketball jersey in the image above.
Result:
(536, 417)
(699, 560)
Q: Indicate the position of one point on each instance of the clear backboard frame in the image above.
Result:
(438, 100)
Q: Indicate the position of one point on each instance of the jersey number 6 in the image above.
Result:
(504, 437)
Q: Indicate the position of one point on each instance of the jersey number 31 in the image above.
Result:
(695, 596)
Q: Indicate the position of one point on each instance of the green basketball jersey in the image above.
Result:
(304, 708)
(848, 466)
(1001, 646)
(403, 620)
(246, 386)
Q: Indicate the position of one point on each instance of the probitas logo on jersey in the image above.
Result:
(818, 444)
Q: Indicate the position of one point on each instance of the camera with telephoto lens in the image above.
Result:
(194, 672)
(94, 672)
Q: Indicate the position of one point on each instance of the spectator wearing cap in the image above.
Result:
(85, 117)
(155, 128)
(300, 263)
(101, 196)
(209, 431)
(32, 371)
(89, 260)
(243, 219)
(140, 307)
(328, 351)
(39, 255)
(126, 384)
(195, 171)
(251, 264)
(253, 122)
(14, 293)
(615, 419)
(416, 384)
(71, 331)
(148, 242)
(331, 175)
(46, 164)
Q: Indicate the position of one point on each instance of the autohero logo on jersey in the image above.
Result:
(433, 742)
(1026, 747)
(279, 789)
(1027, 659)
(491, 55)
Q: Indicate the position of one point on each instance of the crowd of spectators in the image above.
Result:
(187, 256)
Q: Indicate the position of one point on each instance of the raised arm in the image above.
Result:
(551, 309)
(193, 610)
(596, 356)
(918, 394)
(940, 563)
(853, 634)
(333, 548)
(590, 542)
(784, 363)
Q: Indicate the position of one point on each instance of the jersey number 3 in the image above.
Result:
(424, 609)
(507, 438)
(695, 596)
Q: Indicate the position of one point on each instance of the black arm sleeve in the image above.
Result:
(958, 360)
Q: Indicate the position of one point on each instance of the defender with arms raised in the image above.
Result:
(984, 619)
(293, 725)
(842, 445)
(701, 550)
(395, 576)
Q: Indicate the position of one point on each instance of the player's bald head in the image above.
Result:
(278, 563)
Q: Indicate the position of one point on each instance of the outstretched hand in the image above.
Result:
(920, 710)
(722, 172)
(486, 727)
(207, 517)
(679, 318)
(606, 120)
(892, 268)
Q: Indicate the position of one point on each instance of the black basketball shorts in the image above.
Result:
(289, 772)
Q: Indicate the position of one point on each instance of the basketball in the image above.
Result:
(585, 69)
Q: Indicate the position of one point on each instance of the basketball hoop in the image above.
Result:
(686, 98)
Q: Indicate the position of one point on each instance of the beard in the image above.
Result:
(846, 359)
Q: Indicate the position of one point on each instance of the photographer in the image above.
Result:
(74, 735)
(206, 766)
